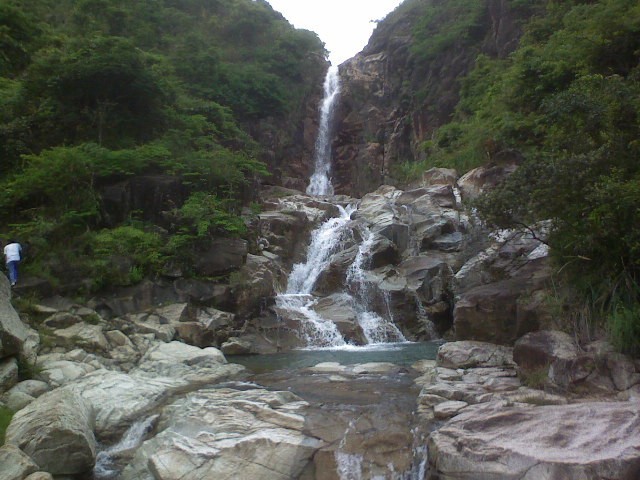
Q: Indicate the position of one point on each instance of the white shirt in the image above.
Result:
(12, 252)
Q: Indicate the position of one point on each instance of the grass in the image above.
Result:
(536, 378)
(5, 418)
(538, 401)
(624, 328)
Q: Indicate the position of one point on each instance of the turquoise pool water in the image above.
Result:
(399, 353)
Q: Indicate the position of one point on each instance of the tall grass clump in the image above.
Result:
(6, 415)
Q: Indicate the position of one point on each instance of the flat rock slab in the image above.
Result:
(449, 409)
(492, 441)
(469, 353)
(226, 433)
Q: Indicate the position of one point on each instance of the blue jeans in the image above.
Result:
(13, 271)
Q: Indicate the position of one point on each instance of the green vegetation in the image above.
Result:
(95, 92)
(5, 418)
(443, 25)
(568, 101)
(536, 378)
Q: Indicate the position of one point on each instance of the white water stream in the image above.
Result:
(332, 237)
(133, 437)
(320, 183)
(330, 241)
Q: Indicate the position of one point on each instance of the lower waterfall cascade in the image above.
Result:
(330, 238)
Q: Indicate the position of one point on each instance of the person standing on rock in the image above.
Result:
(12, 255)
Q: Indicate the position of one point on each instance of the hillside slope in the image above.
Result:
(552, 86)
(131, 133)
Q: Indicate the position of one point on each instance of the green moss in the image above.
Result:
(5, 419)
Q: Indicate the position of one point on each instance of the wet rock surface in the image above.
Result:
(362, 413)
(150, 355)
(251, 433)
(493, 426)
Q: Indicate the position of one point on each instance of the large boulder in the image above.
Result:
(81, 335)
(427, 275)
(439, 176)
(222, 256)
(13, 333)
(341, 310)
(118, 399)
(166, 369)
(379, 211)
(56, 431)
(503, 311)
(210, 327)
(596, 370)
(504, 257)
(467, 354)
(589, 441)
(284, 232)
(239, 434)
(480, 179)
(8, 373)
(538, 350)
(24, 393)
(193, 365)
(57, 371)
(258, 279)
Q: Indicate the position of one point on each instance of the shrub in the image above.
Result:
(624, 328)
(123, 255)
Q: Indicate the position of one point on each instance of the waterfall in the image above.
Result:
(325, 240)
(297, 301)
(104, 467)
(376, 329)
(320, 183)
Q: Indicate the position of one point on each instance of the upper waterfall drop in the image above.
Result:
(320, 182)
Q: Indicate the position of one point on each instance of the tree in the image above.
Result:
(103, 90)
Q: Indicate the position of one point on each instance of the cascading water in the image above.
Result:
(317, 332)
(297, 301)
(324, 242)
(320, 183)
(376, 329)
(105, 468)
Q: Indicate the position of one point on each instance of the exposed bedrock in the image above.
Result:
(524, 442)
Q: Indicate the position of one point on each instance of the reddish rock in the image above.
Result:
(540, 349)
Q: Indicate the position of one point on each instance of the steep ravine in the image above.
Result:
(508, 397)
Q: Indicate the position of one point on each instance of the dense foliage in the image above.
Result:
(568, 100)
(93, 92)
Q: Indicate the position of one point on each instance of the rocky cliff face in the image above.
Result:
(288, 143)
(382, 121)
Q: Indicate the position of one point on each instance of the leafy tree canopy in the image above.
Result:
(96, 91)
(567, 99)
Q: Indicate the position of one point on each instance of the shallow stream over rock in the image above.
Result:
(361, 405)
(329, 414)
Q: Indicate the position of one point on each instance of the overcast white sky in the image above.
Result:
(343, 25)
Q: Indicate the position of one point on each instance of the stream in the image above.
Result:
(361, 394)
(359, 387)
